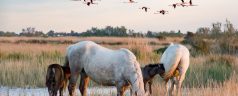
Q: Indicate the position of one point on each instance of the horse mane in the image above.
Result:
(139, 78)
(151, 65)
(137, 69)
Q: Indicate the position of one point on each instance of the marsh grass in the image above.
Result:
(25, 64)
(26, 72)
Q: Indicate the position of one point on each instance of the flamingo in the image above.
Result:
(163, 12)
(191, 3)
(182, 1)
(145, 8)
(90, 2)
(174, 5)
(130, 1)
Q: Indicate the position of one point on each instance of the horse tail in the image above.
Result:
(62, 75)
(173, 67)
(66, 62)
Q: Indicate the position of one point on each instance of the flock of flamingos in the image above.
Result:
(118, 68)
(145, 8)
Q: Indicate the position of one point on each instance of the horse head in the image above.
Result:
(160, 69)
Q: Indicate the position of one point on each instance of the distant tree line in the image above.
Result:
(216, 30)
(2, 33)
(107, 31)
(219, 38)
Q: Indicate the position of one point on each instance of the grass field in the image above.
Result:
(24, 61)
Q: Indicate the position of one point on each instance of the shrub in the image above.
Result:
(160, 50)
(160, 37)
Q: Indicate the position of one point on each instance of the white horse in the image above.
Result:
(176, 62)
(105, 66)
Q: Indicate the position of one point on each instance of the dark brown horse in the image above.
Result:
(149, 71)
(56, 79)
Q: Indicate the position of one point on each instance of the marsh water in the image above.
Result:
(92, 91)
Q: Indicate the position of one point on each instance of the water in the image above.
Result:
(93, 91)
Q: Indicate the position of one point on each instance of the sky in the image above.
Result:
(67, 15)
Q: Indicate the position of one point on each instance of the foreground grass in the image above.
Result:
(25, 64)
(227, 88)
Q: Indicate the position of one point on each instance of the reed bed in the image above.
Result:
(24, 64)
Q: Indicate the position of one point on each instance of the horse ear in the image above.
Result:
(159, 65)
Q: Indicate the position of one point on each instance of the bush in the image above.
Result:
(160, 50)
(160, 37)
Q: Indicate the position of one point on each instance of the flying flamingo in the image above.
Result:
(90, 2)
(182, 1)
(145, 8)
(130, 1)
(175, 5)
(191, 3)
(163, 12)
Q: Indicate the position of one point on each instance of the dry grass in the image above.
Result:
(96, 39)
(24, 64)
(227, 88)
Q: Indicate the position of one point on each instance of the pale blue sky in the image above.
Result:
(66, 15)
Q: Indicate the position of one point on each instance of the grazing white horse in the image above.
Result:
(105, 66)
(176, 62)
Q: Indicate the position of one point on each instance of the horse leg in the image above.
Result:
(84, 80)
(131, 92)
(184, 64)
(55, 92)
(179, 84)
(72, 83)
(61, 91)
(145, 87)
(173, 81)
(179, 88)
(169, 87)
(150, 89)
(120, 88)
